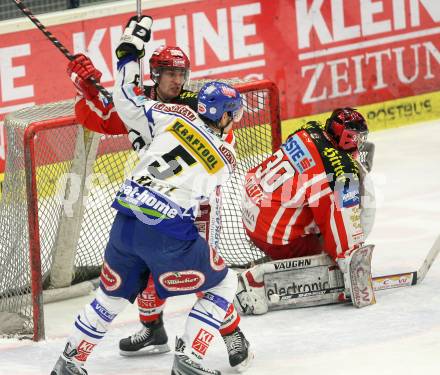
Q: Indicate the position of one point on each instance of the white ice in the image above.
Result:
(398, 335)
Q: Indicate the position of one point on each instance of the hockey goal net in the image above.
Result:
(59, 183)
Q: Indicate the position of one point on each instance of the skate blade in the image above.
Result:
(243, 366)
(149, 350)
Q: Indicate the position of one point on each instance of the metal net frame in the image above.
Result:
(60, 181)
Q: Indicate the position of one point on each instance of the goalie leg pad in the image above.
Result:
(251, 295)
(290, 283)
(356, 268)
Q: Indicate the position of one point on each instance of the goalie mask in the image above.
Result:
(348, 129)
(168, 58)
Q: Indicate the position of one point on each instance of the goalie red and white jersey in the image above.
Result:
(307, 186)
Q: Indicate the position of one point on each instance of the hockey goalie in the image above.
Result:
(309, 207)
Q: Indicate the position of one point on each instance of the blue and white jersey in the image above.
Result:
(183, 164)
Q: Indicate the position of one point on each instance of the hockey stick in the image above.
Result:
(283, 290)
(26, 11)
(141, 65)
(410, 278)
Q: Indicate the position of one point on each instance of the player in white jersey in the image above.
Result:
(169, 69)
(153, 231)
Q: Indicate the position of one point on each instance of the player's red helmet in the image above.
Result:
(166, 57)
(348, 128)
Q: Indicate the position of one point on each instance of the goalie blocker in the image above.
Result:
(306, 281)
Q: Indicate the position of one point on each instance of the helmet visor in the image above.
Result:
(237, 115)
(157, 72)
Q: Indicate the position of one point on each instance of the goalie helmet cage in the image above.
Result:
(60, 181)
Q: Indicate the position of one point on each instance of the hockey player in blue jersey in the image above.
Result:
(153, 232)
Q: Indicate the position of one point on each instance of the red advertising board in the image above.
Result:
(321, 53)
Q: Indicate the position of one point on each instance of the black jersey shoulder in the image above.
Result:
(185, 97)
(188, 98)
(339, 165)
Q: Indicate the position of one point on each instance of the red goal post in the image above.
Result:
(70, 177)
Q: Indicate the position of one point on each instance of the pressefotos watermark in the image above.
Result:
(97, 192)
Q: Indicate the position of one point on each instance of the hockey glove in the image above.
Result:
(135, 35)
(80, 70)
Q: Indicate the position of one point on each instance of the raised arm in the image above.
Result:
(133, 107)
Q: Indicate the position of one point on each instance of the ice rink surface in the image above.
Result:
(398, 335)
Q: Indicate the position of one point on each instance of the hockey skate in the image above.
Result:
(66, 366)
(183, 365)
(239, 354)
(151, 339)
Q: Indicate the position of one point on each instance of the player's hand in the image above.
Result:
(80, 70)
(135, 35)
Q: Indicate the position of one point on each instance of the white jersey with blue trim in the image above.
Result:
(183, 164)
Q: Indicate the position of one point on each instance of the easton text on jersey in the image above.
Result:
(176, 108)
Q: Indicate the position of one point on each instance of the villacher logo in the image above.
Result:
(182, 281)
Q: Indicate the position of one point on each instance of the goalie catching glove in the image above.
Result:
(135, 35)
(80, 70)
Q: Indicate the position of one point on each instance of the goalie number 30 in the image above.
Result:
(275, 172)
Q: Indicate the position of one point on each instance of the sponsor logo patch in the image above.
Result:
(217, 262)
(202, 341)
(198, 144)
(109, 278)
(179, 63)
(349, 197)
(288, 264)
(176, 52)
(201, 108)
(343, 169)
(103, 313)
(146, 301)
(182, 281)
(150, 202)
(298, 154)
(229, 156)
(182, 110)
(84, 350)
(393, 281)
(227, 91)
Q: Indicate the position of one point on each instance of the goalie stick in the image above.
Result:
(141, 64)
(383, 282)
(399, 280)
(310, 281)
(26, 11)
